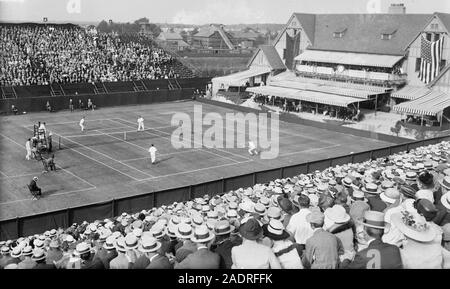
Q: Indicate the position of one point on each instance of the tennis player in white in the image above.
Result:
(152, 150)
(252, 148)
(82, 123)
(28, 148)
(140, 122)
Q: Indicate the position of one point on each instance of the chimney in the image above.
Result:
(397, 9)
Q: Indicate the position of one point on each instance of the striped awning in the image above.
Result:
(411, 92)
(429, 104)
(360, 59)
(240, 78)
(344, 91)
(303, 95)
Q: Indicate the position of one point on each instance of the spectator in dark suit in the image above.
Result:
(377, 255)
(35, 190)
(151, 259)
(203, 258)
(87, 258)
(107, 252)
(223, 244)
(54, 254)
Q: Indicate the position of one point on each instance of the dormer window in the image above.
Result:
(387, 34)
(339, 33)
(434, 26)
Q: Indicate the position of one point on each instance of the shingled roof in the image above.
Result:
(363, 33)
(271, 55)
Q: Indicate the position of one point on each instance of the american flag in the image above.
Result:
(431, 55)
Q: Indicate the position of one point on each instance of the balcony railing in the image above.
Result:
(358, 75)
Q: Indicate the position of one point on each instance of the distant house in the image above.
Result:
(172, 40)
(245, 39)
(213, 37)
(145, 29)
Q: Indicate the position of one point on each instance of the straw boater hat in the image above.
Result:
(82, 248)
(391, 195)
(27, 251)
(120, 245)
(109, 243)
(358, 195)
(275, 230)
(202, 235)
(38, 254)
(371, 189)
(183, 231)
(157, 231)
(131, 241)
(16, 252)
(274, 213)
(445, 182)
(149, 244)
(260, 209)
(445, 200)
(223, 227)
(413, 226)
(374, 219)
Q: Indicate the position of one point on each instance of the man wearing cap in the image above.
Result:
(223, 243)
(54, 254)
(107, 252)
(203, 258)
(151, 259)
(121, 261)
(298, 227)
(322, 249)
(378, 255)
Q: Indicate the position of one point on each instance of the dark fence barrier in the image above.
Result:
(29, 225)
(61, 102)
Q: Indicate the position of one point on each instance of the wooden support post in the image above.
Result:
(421, 122)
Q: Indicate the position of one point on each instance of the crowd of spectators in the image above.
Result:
(391, 212)
(45, 54)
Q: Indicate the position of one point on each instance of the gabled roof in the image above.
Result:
(364, 31)
(308, 22)
(271, 55)
(205, 32)
(445, 18)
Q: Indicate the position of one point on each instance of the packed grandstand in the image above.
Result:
(400, 203)
(34, 54)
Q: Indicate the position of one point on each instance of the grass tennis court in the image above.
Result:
(102, 163)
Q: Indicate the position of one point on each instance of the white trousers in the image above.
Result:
(141, 126)
(28, 156)
(82, 127)
(153, 157)
(252, 151)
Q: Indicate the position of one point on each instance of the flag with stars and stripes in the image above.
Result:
(431, 55)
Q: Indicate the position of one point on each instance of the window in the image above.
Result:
(443, 63)
(434, 26)
(418, 61)
(436, 36)
(429, 36)
(385, 36)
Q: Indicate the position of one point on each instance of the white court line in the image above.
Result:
(309, 150)
(86, 156)
(68, 122)
(160, 155)
(6, 176)
(197, 170)
(106, 156)
(52, 195)
(197, 143)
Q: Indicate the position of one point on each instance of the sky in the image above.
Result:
(198, 11)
